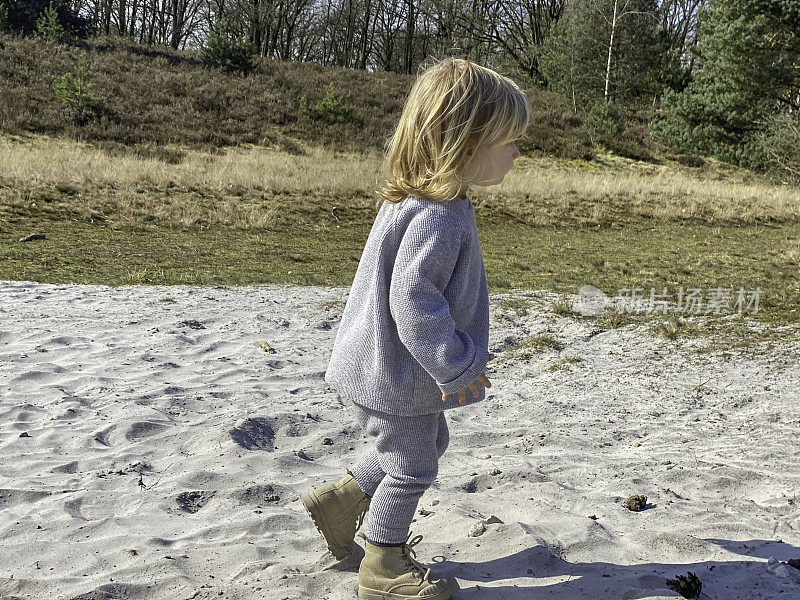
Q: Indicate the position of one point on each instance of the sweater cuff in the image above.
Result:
(477, 367)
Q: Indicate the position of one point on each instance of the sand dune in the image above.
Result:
(152, 448)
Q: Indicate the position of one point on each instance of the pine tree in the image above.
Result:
(226, 50)
(48, 26)
(749, 57)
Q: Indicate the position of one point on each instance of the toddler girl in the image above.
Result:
(414, 333)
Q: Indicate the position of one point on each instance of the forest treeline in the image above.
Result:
(711, 77)
(388, 35)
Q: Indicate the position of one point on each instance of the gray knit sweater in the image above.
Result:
(416, 321)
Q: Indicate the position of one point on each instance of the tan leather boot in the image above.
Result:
(392, 573)
(338, 511)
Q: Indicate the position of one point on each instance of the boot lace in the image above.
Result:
(360, 520)
(363, 506)
(408, 550)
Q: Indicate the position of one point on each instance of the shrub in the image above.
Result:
(605, 120)
(76, 93)
(72, 88)
(224, 49)
(776, 148)
(3, 17)
(329, 108)
(48, 26)
(690, 160)
(628, 145)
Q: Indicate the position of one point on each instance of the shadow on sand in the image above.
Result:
(609, 581)
(722, 580)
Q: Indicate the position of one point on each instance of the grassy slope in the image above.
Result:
(190, 107)
(157, 96)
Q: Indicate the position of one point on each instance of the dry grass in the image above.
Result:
(256, 215)
(49, 161)
(535, 193)
(641, 190)
(564, 364)
(246, 187)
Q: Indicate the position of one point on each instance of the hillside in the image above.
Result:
(153, 96)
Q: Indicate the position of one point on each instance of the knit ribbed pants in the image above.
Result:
(396, 473)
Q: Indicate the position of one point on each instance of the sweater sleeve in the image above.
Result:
(425, 261)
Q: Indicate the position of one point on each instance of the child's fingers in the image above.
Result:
(473, 387)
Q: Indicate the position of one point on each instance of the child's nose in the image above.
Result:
(515, 151)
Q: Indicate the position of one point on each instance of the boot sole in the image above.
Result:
(369, 594)
(310, 503)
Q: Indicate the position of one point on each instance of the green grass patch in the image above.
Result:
(651, 255)
(564, 307)
(79, 252)
(311, 251)
(565, 363)
(674, 327)
(530, 347)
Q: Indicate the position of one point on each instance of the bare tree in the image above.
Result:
(365, 46)
(679, 19)
(521, 29)
(389, 20)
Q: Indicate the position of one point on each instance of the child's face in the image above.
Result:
(495, 162)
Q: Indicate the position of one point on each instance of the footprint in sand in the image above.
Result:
(102, 436)
(69, 468)
(73, 509)
(144, 429)
(192, 502)
(261, 495)
(254, 434)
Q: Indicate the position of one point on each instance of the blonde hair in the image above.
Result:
(455, 109)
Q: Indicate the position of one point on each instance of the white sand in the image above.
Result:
(116, 386)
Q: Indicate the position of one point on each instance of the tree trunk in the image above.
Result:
(349, 34)
(409, 46)
(107, 17)
(610, 46)
(132, 21)
(362, 58)
(122, 22)
(256, 25)
(276, 33)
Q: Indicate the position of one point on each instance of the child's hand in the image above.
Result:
(473, 387)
